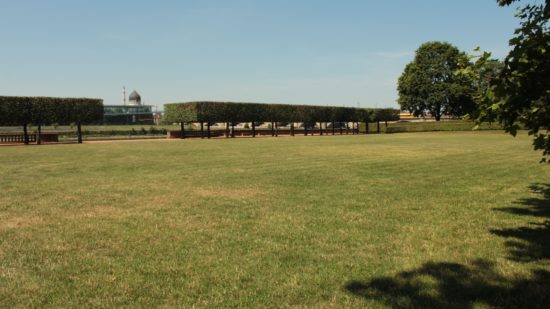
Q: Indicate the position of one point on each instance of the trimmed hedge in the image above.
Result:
(385, 114)
(22, 111)
(248, 112)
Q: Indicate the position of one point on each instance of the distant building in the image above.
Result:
(406, 115)
(157, 117)
(132, 113)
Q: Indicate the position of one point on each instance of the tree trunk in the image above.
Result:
(272, 129)
(437, 114)
(333, 128)
(232, 130)
(182, 129)
(321, 128)
(347, 128)
(208, 129)
(253, 129)
(25, 134)
(227, 130)
(292, 129)
(305, 129)
(276, 129)
(202, 129)
(79, 132)
(39, 135)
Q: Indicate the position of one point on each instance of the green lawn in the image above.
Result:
(424, 219)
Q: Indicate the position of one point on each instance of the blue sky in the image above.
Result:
(300, 51)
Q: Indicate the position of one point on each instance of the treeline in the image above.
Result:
(232, 112)
(39, 111)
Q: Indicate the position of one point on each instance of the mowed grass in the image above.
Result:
(270, 222)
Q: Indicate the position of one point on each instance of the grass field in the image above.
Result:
(443, 219)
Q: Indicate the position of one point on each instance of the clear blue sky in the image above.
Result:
(285, 51)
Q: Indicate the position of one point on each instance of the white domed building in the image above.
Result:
(132, 113)
(134, 99)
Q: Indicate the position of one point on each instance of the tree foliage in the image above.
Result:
(429, 82)
(520, 94)
(482, 71)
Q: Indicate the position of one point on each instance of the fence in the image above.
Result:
(19, 138)
(259, 132)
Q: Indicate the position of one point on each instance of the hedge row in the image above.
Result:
(22, 111)
(249, 112)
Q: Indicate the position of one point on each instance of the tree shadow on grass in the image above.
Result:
(451, 285)
(530, 243)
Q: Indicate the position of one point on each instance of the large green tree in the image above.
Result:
(429, 82)
(520, 95)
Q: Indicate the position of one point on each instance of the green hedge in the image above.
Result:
(385, 114)
(21, 111)
(248, 112)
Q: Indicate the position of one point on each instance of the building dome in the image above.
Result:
(135, 98)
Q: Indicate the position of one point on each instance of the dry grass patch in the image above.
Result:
(230, 193)
(16, 222)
